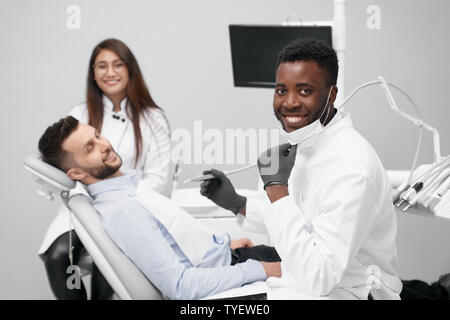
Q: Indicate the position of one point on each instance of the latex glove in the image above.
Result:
(275, 164)
(220, 190)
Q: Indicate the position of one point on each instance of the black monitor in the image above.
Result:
(255, 49)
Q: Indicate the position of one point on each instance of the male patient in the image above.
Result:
(201, 265)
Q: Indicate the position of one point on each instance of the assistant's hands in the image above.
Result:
(220, 190)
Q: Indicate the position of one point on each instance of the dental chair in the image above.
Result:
(127, 281)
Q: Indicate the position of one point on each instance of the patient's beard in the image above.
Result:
(106, 171)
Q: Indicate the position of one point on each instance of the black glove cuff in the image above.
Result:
(241, 201)
(274, 183)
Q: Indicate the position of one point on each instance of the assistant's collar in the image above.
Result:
(125, 182)
(109, 105)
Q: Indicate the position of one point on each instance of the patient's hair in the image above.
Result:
(50, 143)
(312, 50)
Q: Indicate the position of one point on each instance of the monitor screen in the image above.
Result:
(255, 49)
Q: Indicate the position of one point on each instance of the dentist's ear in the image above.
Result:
(76, 174)
(334, 91)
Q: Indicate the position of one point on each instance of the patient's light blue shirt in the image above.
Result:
(152, 248)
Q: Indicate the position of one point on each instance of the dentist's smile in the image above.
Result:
(294, 120)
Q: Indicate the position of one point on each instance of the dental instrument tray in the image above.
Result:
(192, 201)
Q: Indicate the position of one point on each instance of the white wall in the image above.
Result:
(183, 50)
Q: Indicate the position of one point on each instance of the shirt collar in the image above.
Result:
(128, 181)
(109, 105)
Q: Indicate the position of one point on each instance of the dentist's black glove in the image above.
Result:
(275, 164)
(220, 190)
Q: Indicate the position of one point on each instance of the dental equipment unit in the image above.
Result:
(426, 185)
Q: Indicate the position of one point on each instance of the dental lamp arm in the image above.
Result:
(418, 122)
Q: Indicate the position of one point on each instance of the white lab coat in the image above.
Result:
(153, 165)
(336, 231)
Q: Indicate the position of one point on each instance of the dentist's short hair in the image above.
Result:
(312, 50)
(50, 143)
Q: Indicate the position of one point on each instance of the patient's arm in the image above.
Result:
(146, 246)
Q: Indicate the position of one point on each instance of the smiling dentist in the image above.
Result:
(329, 212)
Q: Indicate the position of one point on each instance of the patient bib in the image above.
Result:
(192, 237)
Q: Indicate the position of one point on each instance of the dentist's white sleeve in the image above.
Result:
(253, 220)
(317, 252)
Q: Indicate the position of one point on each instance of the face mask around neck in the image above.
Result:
(306, 132)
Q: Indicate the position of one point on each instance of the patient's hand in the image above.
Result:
(241, 243)
(272, 269)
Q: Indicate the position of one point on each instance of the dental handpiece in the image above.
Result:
(411, 192)
(434, 170)
(429, 174)
(437, 186)
(442, 190)
(437, 194)
(412, 196)
(210, 176)
(432, 185)
(402, 188)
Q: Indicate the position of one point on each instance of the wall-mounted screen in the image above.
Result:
(255, 49)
